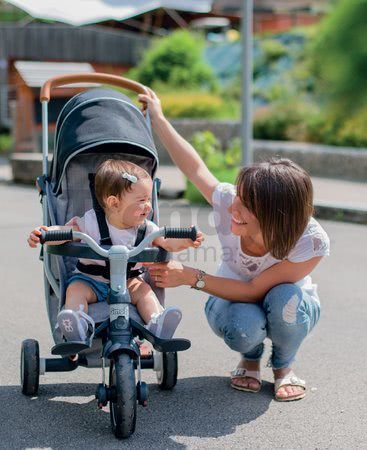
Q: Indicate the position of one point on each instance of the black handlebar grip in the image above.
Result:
(180, 233)
(56, 235)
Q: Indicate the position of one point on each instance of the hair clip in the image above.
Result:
(128, 176)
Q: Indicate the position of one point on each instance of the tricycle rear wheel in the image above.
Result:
(30, 367)
(166, 366)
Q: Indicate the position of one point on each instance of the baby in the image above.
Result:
(123, 190)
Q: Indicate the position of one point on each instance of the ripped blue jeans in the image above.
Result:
(286, 315)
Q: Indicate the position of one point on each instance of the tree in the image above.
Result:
(340, 56)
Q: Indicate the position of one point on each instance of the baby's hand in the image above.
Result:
(34, 237)
(199, 240)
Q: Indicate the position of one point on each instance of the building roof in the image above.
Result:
(235, 6)
(36, 73)
(75, 12)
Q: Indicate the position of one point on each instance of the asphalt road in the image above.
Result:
(202, 412)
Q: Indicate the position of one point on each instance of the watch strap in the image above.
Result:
(200, 274)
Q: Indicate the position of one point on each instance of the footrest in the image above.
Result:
(161, 345)
(69, 348)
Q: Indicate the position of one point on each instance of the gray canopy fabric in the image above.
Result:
(82, 12)
(99, 121)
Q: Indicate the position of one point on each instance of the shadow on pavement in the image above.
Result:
(65, 416)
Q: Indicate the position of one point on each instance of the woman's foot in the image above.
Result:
(246, 376)
(288, 386)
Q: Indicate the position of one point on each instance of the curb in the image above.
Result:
(340, 213)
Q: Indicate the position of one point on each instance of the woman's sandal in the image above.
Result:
(290, 379)
(241, 372)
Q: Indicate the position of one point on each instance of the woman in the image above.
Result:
(264, 289)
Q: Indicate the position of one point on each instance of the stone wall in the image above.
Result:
(318, 160)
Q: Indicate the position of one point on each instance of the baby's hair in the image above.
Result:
(280, 194)
(109, 178)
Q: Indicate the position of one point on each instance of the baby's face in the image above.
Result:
(135, 205)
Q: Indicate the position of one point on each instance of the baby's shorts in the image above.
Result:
(99, 288)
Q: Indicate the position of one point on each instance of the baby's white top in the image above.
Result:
(88, 224)
(239, 266)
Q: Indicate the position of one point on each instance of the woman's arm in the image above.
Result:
(173, 274)
(182, 153)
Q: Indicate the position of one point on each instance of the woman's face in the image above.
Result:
(243, 222)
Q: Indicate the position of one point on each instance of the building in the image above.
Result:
(274, 15)
(105, 49)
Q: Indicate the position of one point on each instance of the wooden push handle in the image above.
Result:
(100, 78)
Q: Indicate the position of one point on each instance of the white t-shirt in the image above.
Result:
(88, 224)
(239, 266)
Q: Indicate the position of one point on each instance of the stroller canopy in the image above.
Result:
(93, 122)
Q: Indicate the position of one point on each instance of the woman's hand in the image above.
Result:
(151, 102)
(34, 236)
(171, 274)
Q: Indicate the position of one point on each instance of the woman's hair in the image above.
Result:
(280, 194)
(109, 178)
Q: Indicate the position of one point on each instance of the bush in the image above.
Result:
(175, 60)
(6, 143)
(271, 124)
(233, 153)
(191, 104)
(302, 122)
(272, 50)
(284, 121)
(227, 175)
(208, 147)
(353, 131)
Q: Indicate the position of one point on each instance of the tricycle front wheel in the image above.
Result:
(123, 393)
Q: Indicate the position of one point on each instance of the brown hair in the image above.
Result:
(109, 180)
(280, 194)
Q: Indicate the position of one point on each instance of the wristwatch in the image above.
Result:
(200, 283)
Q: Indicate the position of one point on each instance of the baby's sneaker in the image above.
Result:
(75, 326)
(164, 324)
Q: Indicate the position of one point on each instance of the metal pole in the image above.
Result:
(45, 138)
(45, 159)
(246, 125)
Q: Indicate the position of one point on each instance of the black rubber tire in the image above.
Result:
(123, 406)
(30, 367)
(167, 377)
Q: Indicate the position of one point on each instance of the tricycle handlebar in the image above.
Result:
(70, 235)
